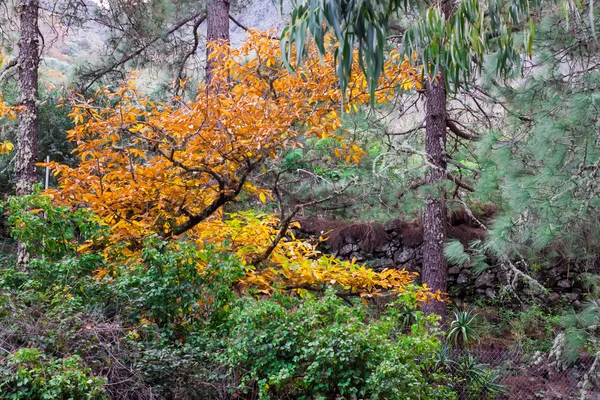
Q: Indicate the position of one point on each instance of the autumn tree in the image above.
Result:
(166, 168)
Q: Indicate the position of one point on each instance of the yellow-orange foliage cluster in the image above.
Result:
(5, 110)
(167, 168)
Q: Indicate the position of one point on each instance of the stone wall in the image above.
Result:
(398, 244)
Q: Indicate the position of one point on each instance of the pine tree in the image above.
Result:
(446, 39)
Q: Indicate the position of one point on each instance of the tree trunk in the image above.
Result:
(27, 135)
(435, 271)
(217, 21)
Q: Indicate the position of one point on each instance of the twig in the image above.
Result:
(285, 223)
(11, 64)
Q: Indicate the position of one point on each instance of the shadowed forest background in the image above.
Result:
(300, 200)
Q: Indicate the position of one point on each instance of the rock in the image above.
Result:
(382, 263)
(537, 358)
(554, 297)
(462, 278)
(564, 283)
(486, 280)
(346, 250)
(404, 256)
(558, 271)
(491, 293)
(384, 248)
(453, 271)
(359, 257)
(573, 297)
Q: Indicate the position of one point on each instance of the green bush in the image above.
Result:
(50, 232)
(321, 348)
(30, 375)
(170, 323)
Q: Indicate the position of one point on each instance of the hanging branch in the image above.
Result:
(189, 53)
(451, 124)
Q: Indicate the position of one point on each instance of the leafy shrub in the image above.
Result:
(179, 286)
(166, 319)
(50, 231)
(30, 375)
(321, 348)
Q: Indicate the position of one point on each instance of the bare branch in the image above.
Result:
(285, 223)
(458, 131)
(11, 64)
(459, 183)
(238, 23)
(190, 53)
(222, 199)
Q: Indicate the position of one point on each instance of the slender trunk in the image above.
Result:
(217, 28)
(217, 21)
(435, 271)
(27, 135)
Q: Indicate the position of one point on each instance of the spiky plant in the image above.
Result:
(463, 329)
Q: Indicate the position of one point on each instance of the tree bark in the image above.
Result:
(435, 273)
(435, 270)
(27, 135)
(217, 21)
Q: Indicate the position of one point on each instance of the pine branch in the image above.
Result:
(505, 261)
(461, 165)
(460, 183)
(100, 73)
(452, 125)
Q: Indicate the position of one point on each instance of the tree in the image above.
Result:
(28, 62)
(142, 34)
(448, 40)
(167, 168)
(540, 163)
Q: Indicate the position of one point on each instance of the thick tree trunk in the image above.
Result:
(27, 135)
(435, 273)
(217, 21)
